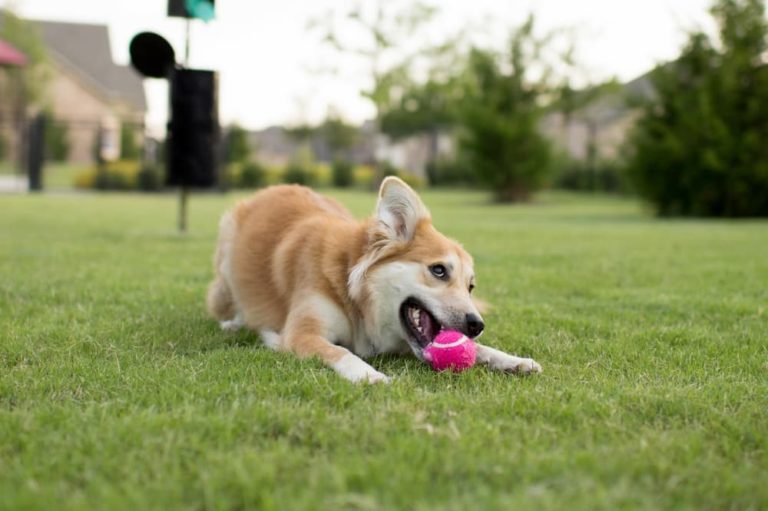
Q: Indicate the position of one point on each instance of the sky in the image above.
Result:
(268, 62)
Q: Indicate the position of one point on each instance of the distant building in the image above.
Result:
(600, 126)
(87, 90)
(276, 146)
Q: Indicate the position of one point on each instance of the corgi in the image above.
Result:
(298, 268)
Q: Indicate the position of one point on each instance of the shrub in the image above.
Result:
(299, 174)
(412, 181)
(363, 176)
(150, 179)
(387, 169)
(117, 175)
(700, 148)
(111, 180)
(450, 172)
(129, 147)
(342, 174)
(236, 146)
(57, 144)
(606, 176)
(501, 140)
(252, 175)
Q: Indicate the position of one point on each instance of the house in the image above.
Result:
(87, 93)
(599, 127)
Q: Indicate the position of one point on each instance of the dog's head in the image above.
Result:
(412, 281)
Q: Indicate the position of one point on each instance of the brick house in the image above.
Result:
(87, 91)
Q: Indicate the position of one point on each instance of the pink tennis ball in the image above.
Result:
(451, 350)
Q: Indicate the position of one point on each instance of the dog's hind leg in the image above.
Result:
(232, 325)
(270, 338)
(221, 304)
(220, 300)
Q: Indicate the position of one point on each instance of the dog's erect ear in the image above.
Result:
(399, 208)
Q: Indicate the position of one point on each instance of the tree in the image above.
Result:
(700, 147)
(238, 149)
(500, 117)
(129, 149)
(57, 144)
(384, 40)
(339, 135)
(24, 36)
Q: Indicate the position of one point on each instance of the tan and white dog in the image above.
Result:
(299, 269)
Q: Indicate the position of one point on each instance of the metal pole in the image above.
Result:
(184, 191)
(186, 44)
(183, 195)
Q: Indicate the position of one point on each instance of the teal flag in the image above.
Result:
(201, 9)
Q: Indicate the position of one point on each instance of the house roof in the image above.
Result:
(85, 49)
(10, 56)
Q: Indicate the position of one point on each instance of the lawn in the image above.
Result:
(56, 175)
(117, 392)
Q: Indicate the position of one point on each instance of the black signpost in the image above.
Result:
(36, 150)
(193, 128)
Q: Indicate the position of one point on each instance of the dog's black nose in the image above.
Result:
(475, 325)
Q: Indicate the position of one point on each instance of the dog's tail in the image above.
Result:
(221, 303)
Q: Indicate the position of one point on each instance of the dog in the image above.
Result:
(298, 268)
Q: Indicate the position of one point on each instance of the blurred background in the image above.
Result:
(667, 100)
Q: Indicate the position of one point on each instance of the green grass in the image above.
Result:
(56, 175)
(60, 176)
(117, 392)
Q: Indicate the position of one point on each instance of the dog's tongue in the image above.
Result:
(428, 325)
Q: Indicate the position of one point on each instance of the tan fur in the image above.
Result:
(291, 261)
(288, 242)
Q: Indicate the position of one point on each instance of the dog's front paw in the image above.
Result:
(354, 369)
(522, 366)
(505, 362)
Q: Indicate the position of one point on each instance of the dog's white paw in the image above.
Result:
(354, 369)
(523, 366)
(270, 338)
(231, 325)
(505, 362)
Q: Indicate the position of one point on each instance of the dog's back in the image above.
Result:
(262, 243)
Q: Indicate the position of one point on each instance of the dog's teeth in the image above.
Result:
(416, 318)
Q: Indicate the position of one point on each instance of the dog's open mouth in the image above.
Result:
(420, 324)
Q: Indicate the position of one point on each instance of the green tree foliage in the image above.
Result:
(342, 173)
(424, 107)
(500, 118)
(701, 147)
(339, 135)
(252, 175)
(383, 36)
(129, 148)
(57, 143)
(238, 149)
(25, 37)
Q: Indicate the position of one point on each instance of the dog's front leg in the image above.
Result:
(501, 361)
(303, 336)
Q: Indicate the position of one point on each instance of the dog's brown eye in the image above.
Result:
(471, 287)
(439, 271)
